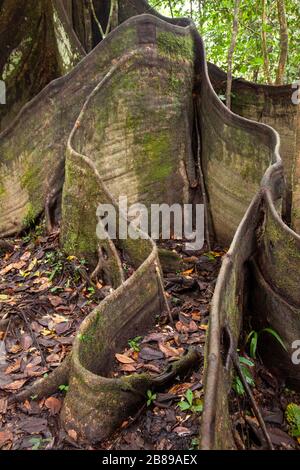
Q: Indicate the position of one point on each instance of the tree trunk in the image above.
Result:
(264, 43)
(33, 52)
(284, 42)
(235, 29)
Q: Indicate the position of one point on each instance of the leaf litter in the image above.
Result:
(44, 297)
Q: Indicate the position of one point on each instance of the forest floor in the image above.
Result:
(44, 296)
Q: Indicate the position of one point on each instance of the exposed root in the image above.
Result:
(48, 385)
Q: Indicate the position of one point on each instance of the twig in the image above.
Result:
(202, 182)
(96, 19)
(254, 405)
(161, 282)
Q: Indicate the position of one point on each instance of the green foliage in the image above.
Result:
(55, 261)
(238, 386)
(191, 403)
(292, 415)
(135, 343)
(254, 336)
(151, 397)
(63, 388)
(214, 21)
(38, 443)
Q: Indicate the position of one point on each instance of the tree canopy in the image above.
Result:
(214, 20)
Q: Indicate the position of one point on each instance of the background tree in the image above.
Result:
(258, 20)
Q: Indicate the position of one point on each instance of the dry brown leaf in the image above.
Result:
(124, 359)
(181, 327)
(14, 385)
(15, 367)
(26, 256)
(5, 437)
(72, 434)
(196, 316)
(182, 431)
(53, 358)
(12, 266)
(180, 389)
(168, 351)
(187, 272)
(55, 300)
(3, 405)
(128, 368)
(54, 405)
(193, 326)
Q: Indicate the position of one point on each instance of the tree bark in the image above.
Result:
(264, 43)
(235, 30)
(284, 42)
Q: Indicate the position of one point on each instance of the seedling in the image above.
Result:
(238, 386)
(194, 443)
(38, 442)
(190, 403)
(135, 343)
(63, 388)
(292, 415)
(254, 336)
(151, 397)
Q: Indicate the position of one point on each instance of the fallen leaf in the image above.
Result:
(54, 405)
(182, 431)
(180, 389)
(168, 351)
(124, 359)
(187, 272)
(196, 316)
(193, 326)
(4, 297)
(181, 327)
(15, 367)
(26, 342)
(26, 256)
(72, 434)
(150, 354)
(34, 425)
(53, 358)
(5, 437)
(128, 368)
(12, 266)
(3, 405)
(55, 300)
(203, 327)
(14, 385)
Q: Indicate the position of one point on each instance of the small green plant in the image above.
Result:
(237, 385)
(254, 336)
(151, 397)
(292, 415)
(38, 442)
(135, 343)
(190, 403)
(210, 255)
(91, 291)
(194, 443)
(63, 388)
(33, 397)
(81, 337)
